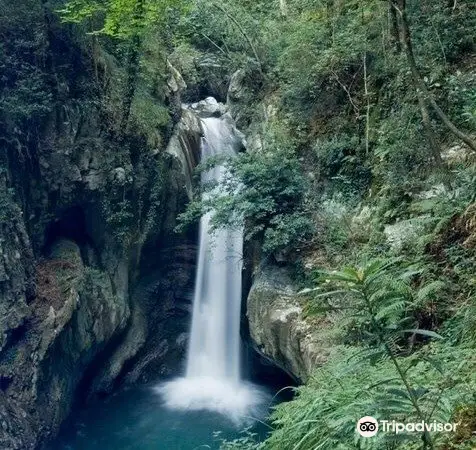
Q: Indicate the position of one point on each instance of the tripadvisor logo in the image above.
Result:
(368, 426)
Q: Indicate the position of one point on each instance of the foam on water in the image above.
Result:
(241, 402)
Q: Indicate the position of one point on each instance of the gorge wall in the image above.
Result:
(278, 327)
(94, 283)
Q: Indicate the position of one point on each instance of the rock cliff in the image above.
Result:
(277, 327)
(94, 283)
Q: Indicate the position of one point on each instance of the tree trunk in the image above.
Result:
(400, 7)
(394, 28)
(367, 112)
(433, 142)
(132, 68)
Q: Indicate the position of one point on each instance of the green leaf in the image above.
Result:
(427, 333)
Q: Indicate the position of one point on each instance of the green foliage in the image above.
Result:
(462, 95)
(121, 19)
(380, 300)
(463, 323)
(226, 27)
(155, 204)
(334, 128)
(340, 161)
(375, 373)
(148, 117)
(322, 42)
(26, 94)
(443, 34)
(138, 32)
(325, 411)
(121, 220)
(401, 152)
(185, 58)
(265, 189)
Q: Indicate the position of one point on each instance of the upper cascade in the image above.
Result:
(209, 107)
(186, 143)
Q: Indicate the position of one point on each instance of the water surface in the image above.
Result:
(136, 419)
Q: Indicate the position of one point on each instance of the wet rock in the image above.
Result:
(209, 107)
(184, 146)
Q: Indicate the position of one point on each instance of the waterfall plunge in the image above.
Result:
(213, 381)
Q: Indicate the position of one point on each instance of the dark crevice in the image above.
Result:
(5, 382)
(71, 225)
(14, 336)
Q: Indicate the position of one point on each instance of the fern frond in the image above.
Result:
(429, 290)
(375, 269)
(391, 310)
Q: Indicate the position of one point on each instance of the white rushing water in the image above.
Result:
(214, 349)
(213, 380)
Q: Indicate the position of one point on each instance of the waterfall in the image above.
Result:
(213, 380)
(214, 349)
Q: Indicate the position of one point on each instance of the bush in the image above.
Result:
(266, 190)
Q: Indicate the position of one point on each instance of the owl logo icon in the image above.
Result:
(367, 426)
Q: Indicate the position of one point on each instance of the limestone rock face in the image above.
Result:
(277, 327)
(94, 283)
(82, 296)
(239, 97)
(185, 145)
(236, 89)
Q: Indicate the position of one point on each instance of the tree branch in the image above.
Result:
(248, 40)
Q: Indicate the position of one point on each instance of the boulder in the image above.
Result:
(277, 326)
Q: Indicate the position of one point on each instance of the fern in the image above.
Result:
(381, 302)
(429, 291)
(378, 373)
(324, 412)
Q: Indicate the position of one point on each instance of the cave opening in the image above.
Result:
(71, 224)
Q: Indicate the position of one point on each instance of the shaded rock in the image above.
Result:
(185, 146)
(73, 316)
(458, 153)
(237, 87)
(84, 216)
(119, 175)
(277, 327)
(404, 232)
(175, 82)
